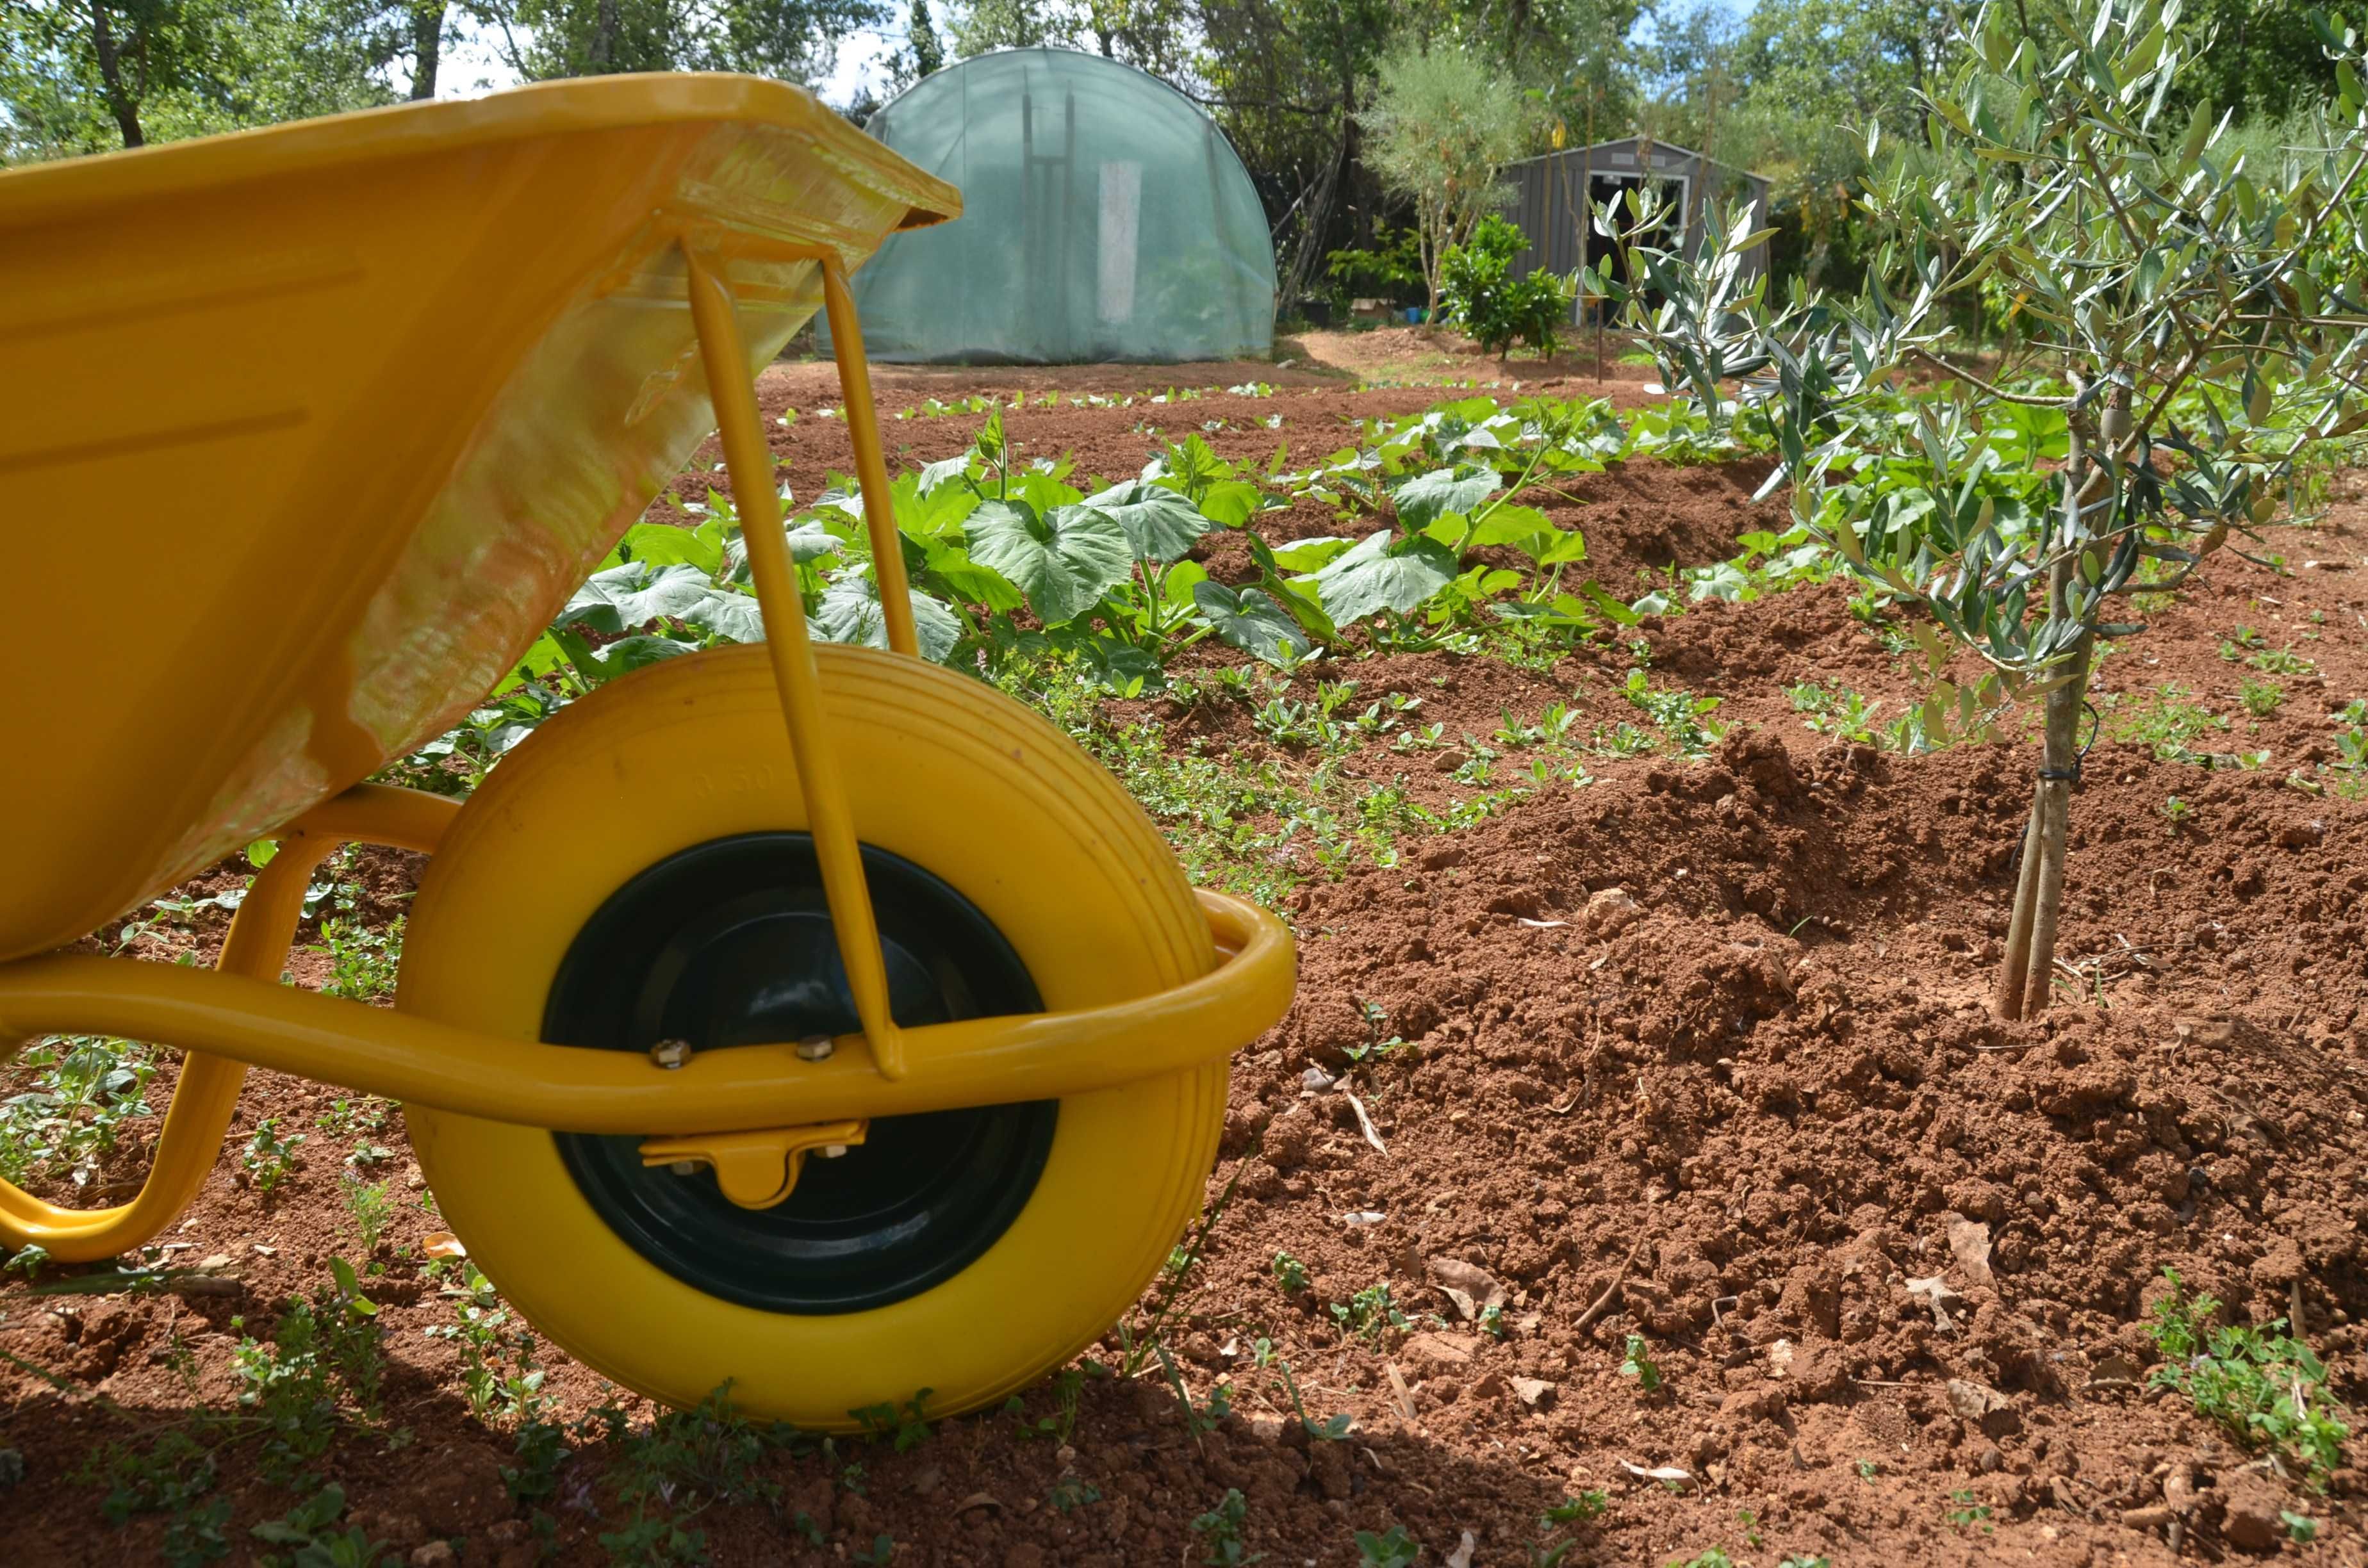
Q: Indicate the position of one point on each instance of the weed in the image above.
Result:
(1712, 1558)
(1220, 1530)
(289, 1386)
(28, 1260)
(1198, 1418)
(2176, 811)
(1491, 1322)
(883, 1552)
(1589, 1504)
(497, 1371)
(2168, 720)
(84, 1088)
(362, 962)
(1291, 1273)
(682, 1463)
(905, 1426)
(1331, 1431)
(1637, 1362)
(354, 1117)
(1068, 1495)
(1676, 714)
(269, 1159)
(1965, 1513)
(369, 1205)
(310, 1528)
(1392, 1549)
(1837, 710)
(1369, 1312)
(2261, 698)
(2265, 1388)
(1062, 1422)
(2300, 1528)
(169, 1476)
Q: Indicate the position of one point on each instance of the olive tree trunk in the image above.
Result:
(2026, 978)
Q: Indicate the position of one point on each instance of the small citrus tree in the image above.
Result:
(2191, 324)
(1443, 124)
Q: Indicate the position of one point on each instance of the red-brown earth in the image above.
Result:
(1697, 1050)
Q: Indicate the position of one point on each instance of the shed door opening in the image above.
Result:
(1664, 234)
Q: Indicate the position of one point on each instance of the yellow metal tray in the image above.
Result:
(306, 432)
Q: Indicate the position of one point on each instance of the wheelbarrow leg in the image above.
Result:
(870, 466)
(749, 460)
(260, 935)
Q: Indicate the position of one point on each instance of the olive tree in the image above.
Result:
(1442, 126)
(2191, 322)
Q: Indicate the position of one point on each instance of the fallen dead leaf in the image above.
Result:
(1973, 1400)
(1398, 1390)
(1535, 1392)
(1668, 1474)
(1462, 1556)
(1970, 1241)
(1937, 1294)
(443, 1244)
(2114, 1371)
(1367, 1123)
(1780, 1358)
(1541, 925)
(1470, 1287)
(978, 1500)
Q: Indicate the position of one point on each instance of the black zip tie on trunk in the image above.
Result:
(2072, 773)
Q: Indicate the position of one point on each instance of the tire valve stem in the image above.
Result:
(670, 1054)
(831, 1150)
(684, 1167)
(815, 1048)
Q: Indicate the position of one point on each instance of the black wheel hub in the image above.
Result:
(730, 944)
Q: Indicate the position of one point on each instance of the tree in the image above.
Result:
(89, 75)
(793, 40)
(921, 40)
(2194, 324)
(1441, 128)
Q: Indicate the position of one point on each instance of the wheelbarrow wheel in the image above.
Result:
(638, 869)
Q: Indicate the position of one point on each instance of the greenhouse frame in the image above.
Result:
(1105, 218)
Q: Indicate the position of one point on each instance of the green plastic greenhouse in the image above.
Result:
(1104, 217)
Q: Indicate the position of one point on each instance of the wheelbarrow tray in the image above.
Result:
(310, 431)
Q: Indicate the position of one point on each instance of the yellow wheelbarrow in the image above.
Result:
(876, 1050)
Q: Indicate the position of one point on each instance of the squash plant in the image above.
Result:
(2191, 322)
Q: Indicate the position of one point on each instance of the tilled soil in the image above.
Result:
(1697, 1052)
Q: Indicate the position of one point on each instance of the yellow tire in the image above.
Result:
(686, 765)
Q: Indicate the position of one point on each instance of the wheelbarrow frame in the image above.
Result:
(237, 1016)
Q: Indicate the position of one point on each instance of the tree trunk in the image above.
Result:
(111, 73)
(2026, 978)
(604, 37)
(426, 47)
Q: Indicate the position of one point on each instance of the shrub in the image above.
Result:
(1499, 310)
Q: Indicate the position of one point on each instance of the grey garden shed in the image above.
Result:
(1552, 192)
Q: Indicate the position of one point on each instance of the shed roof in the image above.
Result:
(1683, 155)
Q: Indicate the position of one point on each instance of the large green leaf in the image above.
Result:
(1380, 575)
(662, 544)
(733, 617)
(1249, 618)
(1230, 503)
(850, 612)
(1443, 490)
(1160, 525)
(1063, 560)
(946, 567)
(623, 598)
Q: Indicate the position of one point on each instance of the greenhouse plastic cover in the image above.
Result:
(1104, 217)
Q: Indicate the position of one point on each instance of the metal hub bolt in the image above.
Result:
(815, 1048)
(670, 1054)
